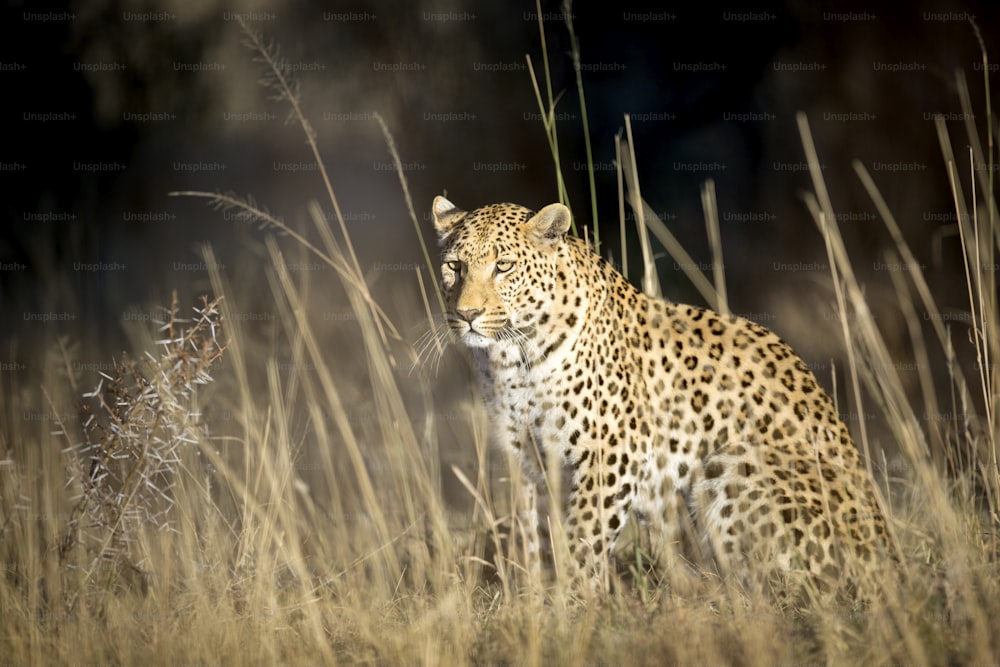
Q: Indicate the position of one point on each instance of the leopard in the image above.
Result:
(706, 427)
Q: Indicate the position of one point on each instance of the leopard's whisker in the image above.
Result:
(431, 344)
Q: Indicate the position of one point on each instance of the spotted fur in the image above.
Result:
(708, 427)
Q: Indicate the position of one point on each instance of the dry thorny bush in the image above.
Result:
(134, 426)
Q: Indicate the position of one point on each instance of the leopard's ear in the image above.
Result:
(550, 224)
(446, 215)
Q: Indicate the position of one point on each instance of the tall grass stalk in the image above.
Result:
(619, 172)
(430, 264)
(574, 45)
(650, 277)
(711, 209)
(647, 221)
(547, 108)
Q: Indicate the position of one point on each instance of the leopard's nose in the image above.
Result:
(469, 314)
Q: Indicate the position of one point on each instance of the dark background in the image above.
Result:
(90, 235)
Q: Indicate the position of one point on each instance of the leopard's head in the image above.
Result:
(499, 268)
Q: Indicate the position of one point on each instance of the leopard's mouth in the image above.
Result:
(483, 332)
(470, 334)
(472, 337)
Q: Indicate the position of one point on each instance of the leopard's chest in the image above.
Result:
(567, 401)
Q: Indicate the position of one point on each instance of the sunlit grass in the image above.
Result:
(303, 518)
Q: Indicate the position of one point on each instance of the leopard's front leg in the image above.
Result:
(598, 509)
(526, 530)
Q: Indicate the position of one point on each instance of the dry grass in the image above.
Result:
(292, 511)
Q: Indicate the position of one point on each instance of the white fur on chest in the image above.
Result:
(518, 398)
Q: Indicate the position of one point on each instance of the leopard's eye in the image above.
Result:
(504, 266)
(454, 265)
